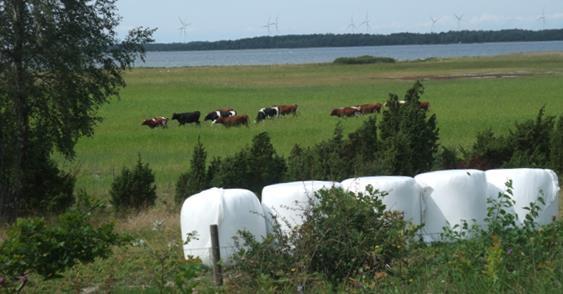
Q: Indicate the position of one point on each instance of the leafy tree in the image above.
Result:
(196, 179)
(59, 62)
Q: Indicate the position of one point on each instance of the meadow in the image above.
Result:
(468, 95)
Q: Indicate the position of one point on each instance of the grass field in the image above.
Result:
(467, 95)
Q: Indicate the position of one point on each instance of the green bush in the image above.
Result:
(134, 189)
(196, 179)
(556, 155)
(34, 246)
(344, 235)
(365, 59)
(409, 137)
(251, 168)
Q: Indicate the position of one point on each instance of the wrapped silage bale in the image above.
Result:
(403, 193)
(287, 201)
(449, 197)
(528, 185)
(231, 210)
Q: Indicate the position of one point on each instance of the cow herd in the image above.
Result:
(228, 116)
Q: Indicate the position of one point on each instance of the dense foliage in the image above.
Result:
(343, 236)
(134, 189)
(348, 40)
(196, 179)
(532, 143)
(36, 246)
(59, 62)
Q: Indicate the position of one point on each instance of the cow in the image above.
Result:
(231, 121)
(267, 112)
(159, 121)
(369, 108)
(345, 111)
(221, 112)
(424, 105)
(287, 109)
(187, 117)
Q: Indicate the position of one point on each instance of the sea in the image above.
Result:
(328, 54)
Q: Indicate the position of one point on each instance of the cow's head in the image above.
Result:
(261, 115)
(211, 116)
(334, 112)
(175, 116)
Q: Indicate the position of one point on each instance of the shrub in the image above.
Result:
(365, 59)
(134, 189)
(408, 136)
(196, 179)
(34, 246)
(344, 235)
(251, 168)
(556, 156)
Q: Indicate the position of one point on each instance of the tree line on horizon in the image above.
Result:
(350, 40)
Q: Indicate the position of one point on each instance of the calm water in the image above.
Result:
(322, 55)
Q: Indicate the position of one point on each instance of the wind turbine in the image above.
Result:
(434, 21)
(268, 25)
(542, 18)
(351, 26)
(275, 24)
(183, 27)
(366, 23)
(459, 18)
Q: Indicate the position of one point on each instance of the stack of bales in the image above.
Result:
(403, 193)
(286, 202)
(231, 210)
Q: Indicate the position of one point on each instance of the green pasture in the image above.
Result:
(466, 94)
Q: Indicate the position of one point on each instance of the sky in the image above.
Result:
(212, 20)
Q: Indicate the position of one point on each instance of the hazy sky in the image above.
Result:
(211, 20)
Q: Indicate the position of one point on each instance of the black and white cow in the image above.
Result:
(187, 117)
(267, 112)
(214, 115)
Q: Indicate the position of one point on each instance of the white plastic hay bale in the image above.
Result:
(451, 196)
(403, 193)
(287, 201)
(528, 185)
(231, 210)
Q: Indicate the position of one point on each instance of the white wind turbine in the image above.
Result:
(183, 27)
(542, 18)
(352, 26)
(366, 23)
(458, 18)
(434, 21)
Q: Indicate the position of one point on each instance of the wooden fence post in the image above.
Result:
(216, 256)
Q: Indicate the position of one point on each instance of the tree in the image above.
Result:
(196, 179)
(59, 62)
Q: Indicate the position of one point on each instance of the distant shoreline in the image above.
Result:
(361, 40)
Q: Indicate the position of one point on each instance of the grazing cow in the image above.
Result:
(221, 112)
(186, 117)
(345, 111)
(369, 108)
(267, 112)
(424, 105)
(159, 121)
(231, 121)
(287, 109)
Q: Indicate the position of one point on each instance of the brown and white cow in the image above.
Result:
(158, 121)
(232, 121)
(369, 108)
(346, 111)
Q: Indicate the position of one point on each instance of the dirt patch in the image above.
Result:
(507, 75)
